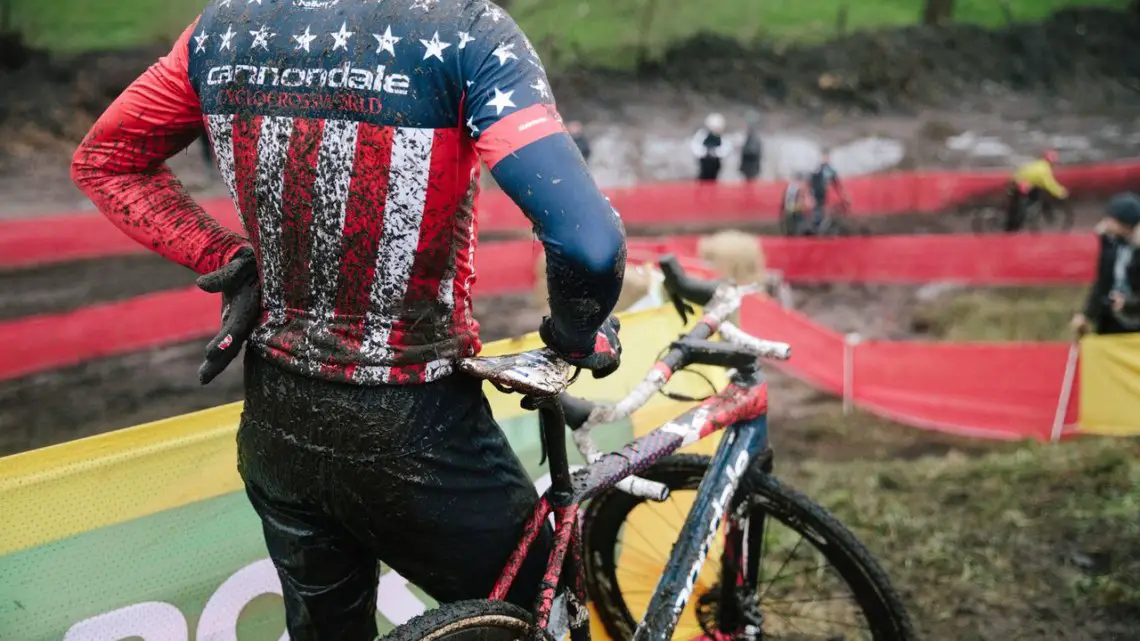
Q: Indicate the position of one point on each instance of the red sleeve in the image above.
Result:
(121, 166)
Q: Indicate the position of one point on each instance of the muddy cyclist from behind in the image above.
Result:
(350, 135)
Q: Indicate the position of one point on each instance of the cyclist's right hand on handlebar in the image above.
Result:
(602, 360)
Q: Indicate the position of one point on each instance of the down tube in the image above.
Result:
(740, 444)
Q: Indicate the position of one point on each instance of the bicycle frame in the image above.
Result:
(740, 409)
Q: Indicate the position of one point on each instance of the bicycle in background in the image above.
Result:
(1043, 213)
(729, 504)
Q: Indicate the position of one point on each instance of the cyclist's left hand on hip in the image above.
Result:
(238, 284)
(605, 356)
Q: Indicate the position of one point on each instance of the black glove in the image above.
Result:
(238, 284)
(602, 360)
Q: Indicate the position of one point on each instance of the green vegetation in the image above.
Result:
(1040, 542)
(1001, 314)
(605, 32)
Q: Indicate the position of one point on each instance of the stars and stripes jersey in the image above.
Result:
(349, 133)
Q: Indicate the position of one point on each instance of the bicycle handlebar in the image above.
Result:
(720, 300)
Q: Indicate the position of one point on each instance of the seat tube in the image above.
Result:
(552, 422)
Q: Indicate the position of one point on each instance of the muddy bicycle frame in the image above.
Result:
(740, 409)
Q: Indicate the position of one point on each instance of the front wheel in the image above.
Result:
(1050, 214)
(476, 620)
(987, 220)
(806, 558)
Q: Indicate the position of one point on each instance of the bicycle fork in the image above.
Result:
(738, 448)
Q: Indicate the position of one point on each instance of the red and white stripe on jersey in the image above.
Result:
(365, 249)
(518, 130)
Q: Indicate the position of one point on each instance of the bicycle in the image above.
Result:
(1042, 215)
(734, 488)
(837, 222)
(1039, 215)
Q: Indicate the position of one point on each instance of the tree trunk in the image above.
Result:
(937, 12)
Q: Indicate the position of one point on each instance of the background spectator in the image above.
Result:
(753, 149)
(574, 127)
(1113, 305)
(709, 148)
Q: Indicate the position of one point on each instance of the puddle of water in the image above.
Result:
(975, 145)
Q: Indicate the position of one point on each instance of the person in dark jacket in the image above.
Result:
(574, 128)
(1113, 304)
(710, 148)
(752, 151)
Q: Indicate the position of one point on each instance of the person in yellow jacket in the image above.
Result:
(1028, 185)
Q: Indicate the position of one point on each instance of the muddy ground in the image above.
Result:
(953, 96)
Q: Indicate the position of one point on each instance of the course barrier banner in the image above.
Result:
(991, 390)
(50, 341)
(997, 259)
(80, 235)
(145, 532)
(1110, 385)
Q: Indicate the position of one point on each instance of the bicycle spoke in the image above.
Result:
(782, 566)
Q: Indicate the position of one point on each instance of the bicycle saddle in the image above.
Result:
(535, 373)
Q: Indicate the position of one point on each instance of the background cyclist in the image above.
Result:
(822, 181)
(1028, 185)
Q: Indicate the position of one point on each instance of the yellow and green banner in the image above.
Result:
(145, 533)
(1110, 385)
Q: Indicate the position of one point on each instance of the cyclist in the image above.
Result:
(1028, 185)
(350, 133)
(822, 180)
(795, 203)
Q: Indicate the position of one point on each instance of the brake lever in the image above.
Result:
(683, 308)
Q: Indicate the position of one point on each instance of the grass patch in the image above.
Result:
(593, 32)
(1042, 542)
(1001, 314)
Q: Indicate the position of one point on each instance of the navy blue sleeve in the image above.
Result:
(510, 113)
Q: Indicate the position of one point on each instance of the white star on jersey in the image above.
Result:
(225, 3)
(464, 38)
(227, 37)
(501, 101)
(304, 40)
(341, 37)
(426, 5)
(261, 38)
(253, 1)
(434, 48)
(386, 42)
(200, 41)
(540, 87)
(504, 53)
